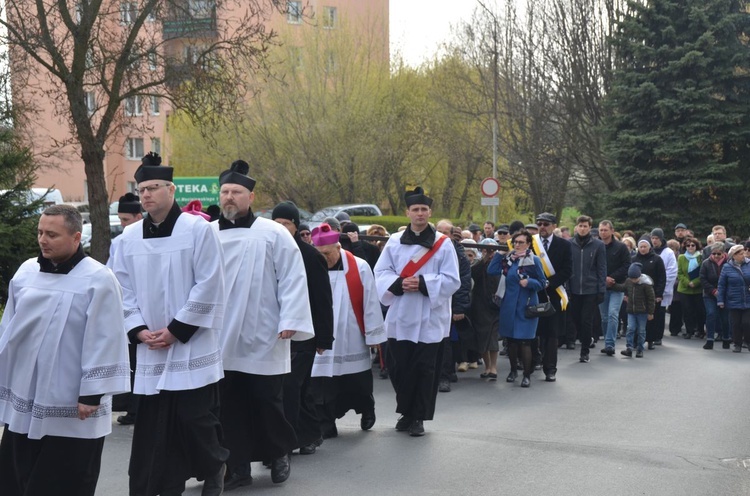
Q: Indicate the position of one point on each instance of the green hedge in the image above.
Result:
(393, 222)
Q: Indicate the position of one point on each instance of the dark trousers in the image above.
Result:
(547, 331)
(740, 322)
(583, 309)
(252, 414)
(694, 313)
(50, 466)
(675, 317)
(177, 436)
(334, 396)
(299, 402)
(655, 326)
(413, 372)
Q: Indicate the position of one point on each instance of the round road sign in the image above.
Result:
(490, 187)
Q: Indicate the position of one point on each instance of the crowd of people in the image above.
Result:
(244, 339)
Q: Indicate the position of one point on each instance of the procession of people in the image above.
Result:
(245, 339)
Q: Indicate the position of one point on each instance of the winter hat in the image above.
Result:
(634, 271)
(286, 210)
(333, 222)
(343, 217)
(734, 249)
(515, 226)
(323, 235)
(350, 227)
(658, 232)
(645, 239)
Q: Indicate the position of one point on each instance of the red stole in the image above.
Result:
(356, 290)
(412, 267)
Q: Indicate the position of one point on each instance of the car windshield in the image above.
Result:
(322, 214)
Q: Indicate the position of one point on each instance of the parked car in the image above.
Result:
(115, 229)
(83, 208)
(354, 210)
(304, 215)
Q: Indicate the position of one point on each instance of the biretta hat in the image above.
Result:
(129, 204)
(237, 174)
(417, 197)
(151, 169)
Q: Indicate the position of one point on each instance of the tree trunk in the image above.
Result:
(93, 159)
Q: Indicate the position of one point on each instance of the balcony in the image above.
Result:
(185, 25)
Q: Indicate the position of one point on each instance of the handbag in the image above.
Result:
(541, 309)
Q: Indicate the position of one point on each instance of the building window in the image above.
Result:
(329, 17)
(133, 106)
(128, 12)
(152, 61)
(294, 12)
(79, 12)
(156, 145)
(90, 98)
(132, 187)
(200, 9)
(134, 148)
(154, 105)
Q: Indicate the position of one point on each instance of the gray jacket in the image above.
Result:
(589, 266)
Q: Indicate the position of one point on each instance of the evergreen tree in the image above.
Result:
(678, 131)
(18, 215)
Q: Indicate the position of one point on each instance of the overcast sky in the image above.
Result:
(419, 26)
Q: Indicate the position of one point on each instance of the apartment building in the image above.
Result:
(143, 126)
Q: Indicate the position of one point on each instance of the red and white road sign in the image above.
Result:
(490, 187)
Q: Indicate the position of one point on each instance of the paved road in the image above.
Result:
(676, 422)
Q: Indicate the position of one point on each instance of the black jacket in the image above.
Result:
(618, 260)
(653, 266)
(362, 249)
(589, 266)
(561, 257)
(461, 302)
(321, 298)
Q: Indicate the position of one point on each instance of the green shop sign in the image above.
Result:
(205, 189)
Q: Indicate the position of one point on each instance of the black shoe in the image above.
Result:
(280, 469)
(726, 344)
(519, 365)
(403, 423)
(639, 354)
(308, 449)
(526, 381)
(592, 345)
(628, 352)
(384, 373)
(503, 352)
(512, 376)
(444, 387)
(242, 477)
(570, 346)
(687, 336)
(709, 345)
(538, 366)
(609, 351)
(651, 346)
(367, 420)
(330, 433)
(416, 429)
(550, 377)
(453, 377)
(657, 342)
(214, 485)
(127, 419)
(584, 358)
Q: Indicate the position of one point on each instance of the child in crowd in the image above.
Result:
(639, 292)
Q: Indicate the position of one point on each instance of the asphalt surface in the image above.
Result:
(676, 422)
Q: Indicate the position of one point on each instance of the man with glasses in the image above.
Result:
(170, 267)
(299, 403)
(588, 282)
(618, 263)
(557, 260)
(305, 234)
(719, 234)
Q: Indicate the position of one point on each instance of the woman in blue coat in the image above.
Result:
(523, 278)
(734, 294)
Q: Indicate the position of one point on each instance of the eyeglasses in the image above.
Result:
(304, 234)
(691, 246)
(151, 188)
(542, 224)
(717, 254)
(520, 242)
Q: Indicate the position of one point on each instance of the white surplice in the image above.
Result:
(176, 277)
(62, 336)
(266, 287)
(351, 352)
(413, 316)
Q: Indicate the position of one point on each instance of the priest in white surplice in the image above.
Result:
(416, 275)
(63, 353)
(342, 377)
(170, 266)
(267, 305)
